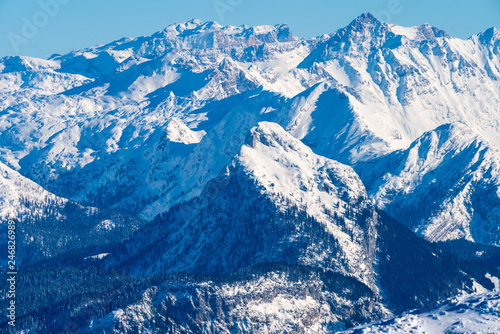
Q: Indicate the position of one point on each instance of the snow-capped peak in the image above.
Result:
(489, 36)
(440, 184)
(284, 165)
(291, 174)
(362, 22)
(419, 33)
(179, 132)
(19, 195)
(365, 26)
(20, 64)
(211, 34)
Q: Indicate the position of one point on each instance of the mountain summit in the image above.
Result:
(239, 179)
(158, 109)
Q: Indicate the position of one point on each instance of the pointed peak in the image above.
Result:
(284, 166)
(367, 16)
(364, 24)
(195, 21)
(489, 36)
(429, 32)
(363, 21)
(455, 133)
(363, 33)
(212, 25)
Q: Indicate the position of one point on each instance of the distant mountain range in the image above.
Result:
(241, 179)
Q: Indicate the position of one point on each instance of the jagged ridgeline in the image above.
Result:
(257, 251)
(142, 124)
(205, 178)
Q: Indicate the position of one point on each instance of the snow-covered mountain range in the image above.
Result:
(280, 203)
(445, 185)
(208, 150)
(143, 124)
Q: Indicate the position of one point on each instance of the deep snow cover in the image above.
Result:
(243, 146)
(142, 124)
(476, 313)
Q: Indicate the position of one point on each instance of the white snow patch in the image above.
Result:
(97, 256)
(475, 313)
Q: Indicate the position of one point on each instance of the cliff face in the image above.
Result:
(240, 179)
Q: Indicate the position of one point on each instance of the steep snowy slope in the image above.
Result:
(282, 239)
(360, 92)
(476, 313)
(402, 82)
(445, 186)
(143, 124)
(280, 202)
(48, 225)
(248, 214)
(230, 137)
(130, 93)
(21, 196)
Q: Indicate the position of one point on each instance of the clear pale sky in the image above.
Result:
(75, 24)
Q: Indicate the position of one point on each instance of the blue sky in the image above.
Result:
(40, 28)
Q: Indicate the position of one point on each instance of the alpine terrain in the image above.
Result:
(211, 179)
